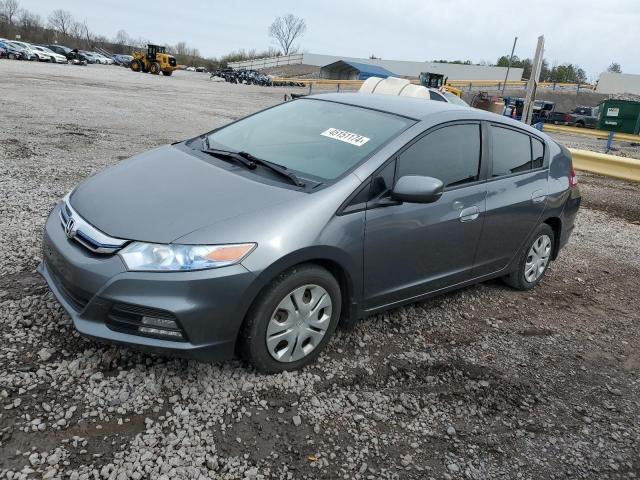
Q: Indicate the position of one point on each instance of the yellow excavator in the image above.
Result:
(438, 81)
(154, 60)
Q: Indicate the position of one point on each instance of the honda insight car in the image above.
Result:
(260, 237)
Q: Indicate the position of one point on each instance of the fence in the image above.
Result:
(465, 85)
(293, 59)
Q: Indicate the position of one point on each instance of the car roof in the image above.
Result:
(416, 108)
(420, 108)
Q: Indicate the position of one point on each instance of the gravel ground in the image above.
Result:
(483, 383)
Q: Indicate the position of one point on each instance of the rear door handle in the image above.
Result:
(469, 214)
(538, 196)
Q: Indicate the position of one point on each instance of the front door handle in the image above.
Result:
(538, 196)
(469, 214)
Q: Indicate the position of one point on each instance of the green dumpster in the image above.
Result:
(619, 116)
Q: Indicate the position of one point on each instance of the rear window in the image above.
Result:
(312, 137)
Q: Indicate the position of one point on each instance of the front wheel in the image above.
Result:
(136, 65)
(292, 320)
(154, 68)
(533, 260)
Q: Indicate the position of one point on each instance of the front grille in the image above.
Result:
(127, 318)
(75, 296)
(77, 229)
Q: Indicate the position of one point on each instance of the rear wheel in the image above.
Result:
(136, 66)
(533, 260)
(167, 73)
(154, 68)
(292, 320)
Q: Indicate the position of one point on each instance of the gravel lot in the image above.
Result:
(482, 383)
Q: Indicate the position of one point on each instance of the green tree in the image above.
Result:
(614, 68)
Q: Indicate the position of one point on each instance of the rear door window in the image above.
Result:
(511, 152)
(537, 153)
(450, 154)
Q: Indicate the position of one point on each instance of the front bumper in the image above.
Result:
(208, 305)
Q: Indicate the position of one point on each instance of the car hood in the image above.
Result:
(166, 193)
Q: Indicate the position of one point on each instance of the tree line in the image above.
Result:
(60, 27)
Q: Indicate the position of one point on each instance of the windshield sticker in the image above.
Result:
(344, 136)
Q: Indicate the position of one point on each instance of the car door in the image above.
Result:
(412, 248)
(517, 189)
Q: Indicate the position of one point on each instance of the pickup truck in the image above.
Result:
(579, 117)
(584, 117)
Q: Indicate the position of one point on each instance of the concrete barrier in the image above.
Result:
(607, 165)
(590, 132)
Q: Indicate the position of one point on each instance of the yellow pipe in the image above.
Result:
(608, 165)
(590, 132)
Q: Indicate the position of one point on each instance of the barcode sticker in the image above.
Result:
(344, 136)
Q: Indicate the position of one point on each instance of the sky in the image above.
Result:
(589, 33)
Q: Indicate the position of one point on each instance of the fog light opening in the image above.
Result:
(160, 333)
(160, 322)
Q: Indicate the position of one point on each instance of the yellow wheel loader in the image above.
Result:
(154, 60)
(437, 80)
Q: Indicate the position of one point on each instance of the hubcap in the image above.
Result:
(299, 323)
(537, 258)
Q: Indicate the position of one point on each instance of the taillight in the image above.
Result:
(573, 178)
(567, 118)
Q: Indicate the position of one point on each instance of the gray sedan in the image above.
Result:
(260, 237)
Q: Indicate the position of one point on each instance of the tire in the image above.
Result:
(580, 124)
(167, 73)
(136, 66)
(303, 284)
(522, 278)
(11, 56)
(154, 68)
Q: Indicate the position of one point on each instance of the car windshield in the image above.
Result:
(311, 137)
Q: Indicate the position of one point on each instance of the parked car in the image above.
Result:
(61, 49)
(542, 109)
(37, 55)
(53, 56)
(25, 54)
(123, 60)
(12, 52)
(106, 60)
(261, 236)
(80, 57)
(99, 58)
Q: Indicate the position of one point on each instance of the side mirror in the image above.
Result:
(417, 189)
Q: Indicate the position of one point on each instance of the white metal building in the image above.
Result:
(618, 83)
(401, 68)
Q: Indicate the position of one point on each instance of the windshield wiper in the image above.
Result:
(250, 161)
(274, 167)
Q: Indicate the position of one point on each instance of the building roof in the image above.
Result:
(365, 70)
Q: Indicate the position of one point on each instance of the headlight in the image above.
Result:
(171, 258)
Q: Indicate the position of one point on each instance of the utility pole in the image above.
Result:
(506, 77)
(527, 110)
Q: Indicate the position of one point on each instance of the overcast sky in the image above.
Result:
(587, 32)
